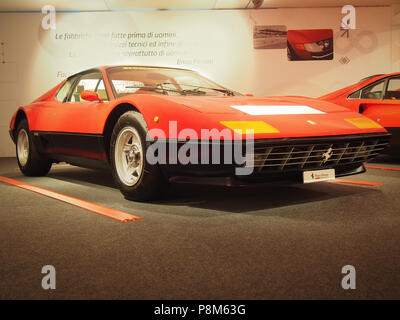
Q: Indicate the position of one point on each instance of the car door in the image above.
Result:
(76, 115)
(387, 111)
(370, 94)
(73, 123)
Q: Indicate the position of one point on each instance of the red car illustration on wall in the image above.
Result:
(310, 44)
(378, 98)
(112, 116)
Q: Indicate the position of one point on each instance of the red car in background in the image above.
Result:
(310, 44)
(378, 98)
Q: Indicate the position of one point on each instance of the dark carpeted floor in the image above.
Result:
(201, 242)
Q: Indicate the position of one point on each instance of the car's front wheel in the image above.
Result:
(30, 161)
(137, 179)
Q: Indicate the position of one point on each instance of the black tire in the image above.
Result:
(36, 163)
(152, 184)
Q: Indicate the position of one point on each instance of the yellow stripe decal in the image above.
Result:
(255, 126)
(363, 123)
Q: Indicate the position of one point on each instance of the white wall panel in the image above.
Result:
(159, 4)
(7, 147)
(7, 109)
(36, 5)
(8, 72)
(105, 5)
(8, 91)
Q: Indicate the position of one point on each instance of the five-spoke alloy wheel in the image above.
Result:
(30, 160)
(129, 156)
(137, 179)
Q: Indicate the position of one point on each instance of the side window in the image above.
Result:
(355, 95)
(91, 81)
(101, 91)
(64, 90)
(393, 89)
(374, 91)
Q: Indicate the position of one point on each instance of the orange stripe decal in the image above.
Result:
(363, 183)
(382, 168)
(96, 208)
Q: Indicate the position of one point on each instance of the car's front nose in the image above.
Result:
(322, 49)
(282, 159)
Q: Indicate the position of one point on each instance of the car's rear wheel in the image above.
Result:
(137, 179)
(30, 161)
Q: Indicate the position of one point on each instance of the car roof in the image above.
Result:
(370, 77)
(358, 85)
(378, 77)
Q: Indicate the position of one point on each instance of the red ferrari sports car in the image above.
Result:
(114, 116)
(378, 98)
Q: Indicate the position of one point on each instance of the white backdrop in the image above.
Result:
(217, 43)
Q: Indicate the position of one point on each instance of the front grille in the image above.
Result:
(314, 155)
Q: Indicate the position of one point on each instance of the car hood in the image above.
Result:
(242, 105)
(271, 117)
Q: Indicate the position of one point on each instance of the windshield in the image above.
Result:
(165, 81)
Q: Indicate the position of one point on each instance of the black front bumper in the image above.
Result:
(288, 158)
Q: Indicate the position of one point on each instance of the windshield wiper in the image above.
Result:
(226, 91)
(183, 92)
(195, 91)
(151, 88)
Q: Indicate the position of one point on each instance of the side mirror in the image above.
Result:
(90, 95)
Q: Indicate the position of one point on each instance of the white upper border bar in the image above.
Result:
(277, 110)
